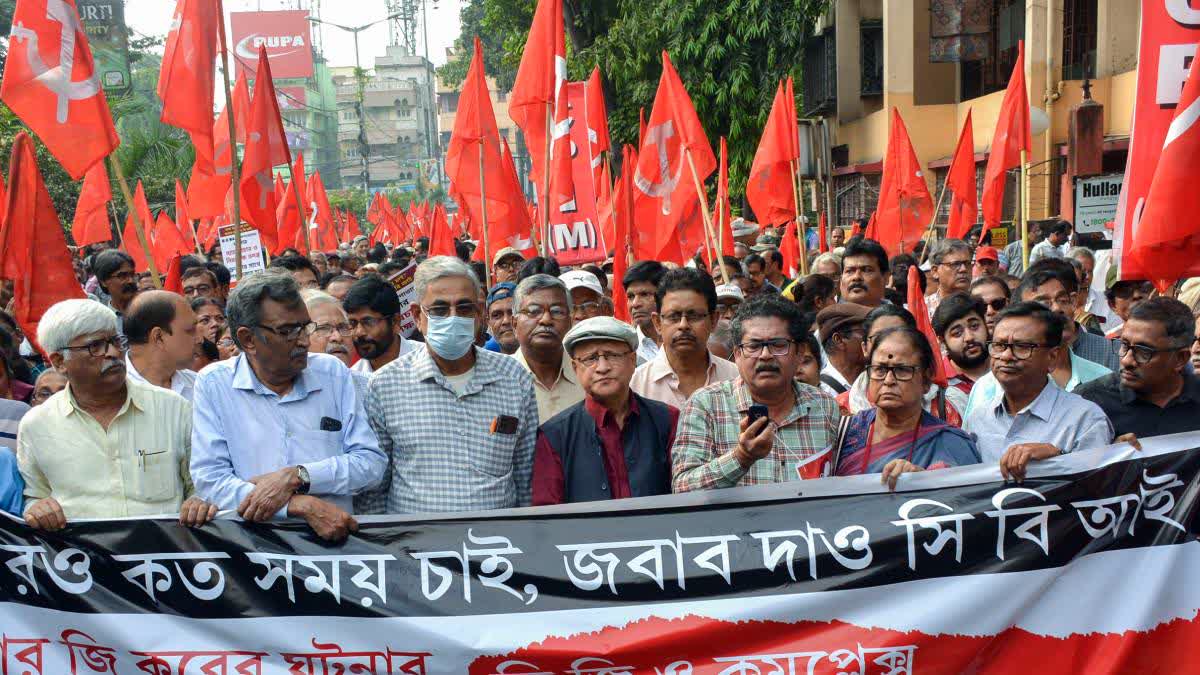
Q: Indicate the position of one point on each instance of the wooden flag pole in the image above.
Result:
(800, 235)
(487, 253)
(120, 234)
(1024, 206)
(137, 219)
(195, 237)
(233, 157)
(930, 235)
(705, 215)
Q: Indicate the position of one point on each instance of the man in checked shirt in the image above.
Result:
(717, 447)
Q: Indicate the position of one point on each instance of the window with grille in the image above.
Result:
(820, 74)
(871, 34)
(1079, 39)
(978, 78)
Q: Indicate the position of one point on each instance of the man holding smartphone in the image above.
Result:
(764, 426)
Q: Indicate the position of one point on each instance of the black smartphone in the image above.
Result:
(757, 411)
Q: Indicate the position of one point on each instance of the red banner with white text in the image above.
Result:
(575, 236)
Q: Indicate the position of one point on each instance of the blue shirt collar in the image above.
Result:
(244, 378)
(1041, 407)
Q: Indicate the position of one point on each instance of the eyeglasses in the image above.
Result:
(957, 264)
(98, 348)
(777, 347)
(41, 395)
(901, 373)
(367, 322)
(586, 307)
(594, 360)
(690, 317)
(467, 310)
(997, 304)
(508, 265)
(344, 329)
(557, 312)
(199, 289)
(1020, 350)
(225, 342)
(1141, 353)
(1062, 299)
(210, 319)
(292, 332)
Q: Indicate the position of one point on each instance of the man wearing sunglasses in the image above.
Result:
(1029, 417)
(278, 431)
(1154, 392)
(994, 293)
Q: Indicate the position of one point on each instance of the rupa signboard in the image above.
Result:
(286, 35)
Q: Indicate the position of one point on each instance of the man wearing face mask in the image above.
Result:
(458, 423)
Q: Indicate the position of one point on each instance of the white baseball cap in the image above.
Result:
(730, 291)
(581, 279)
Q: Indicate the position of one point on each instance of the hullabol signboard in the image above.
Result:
(1091, 565)
(1096, 202)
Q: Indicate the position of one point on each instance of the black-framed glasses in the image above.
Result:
(557, 312)
(98, 348)
(467, 310)
(777, 347)
(1142, 354)
(692, 318)
(594, 360)
(957, 264)
(344, 329)
(901, 373)
(1020, 350)
(367, 322)
(996, 304)
(198, 289)
(509, 265)
(291, 332)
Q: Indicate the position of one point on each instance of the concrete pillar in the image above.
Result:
(1117, 28)
(849, 58)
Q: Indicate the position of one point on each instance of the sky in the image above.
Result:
(153, 17)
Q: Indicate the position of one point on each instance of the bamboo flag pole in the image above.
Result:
(487, 253)
(137, 219)
(705, 215)
(930, 235)
(233, 153)
(1024, 206)
(800, 235)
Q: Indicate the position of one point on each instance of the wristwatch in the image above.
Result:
(305, 482)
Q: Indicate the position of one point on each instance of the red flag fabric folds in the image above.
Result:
(721, 211)
(920, 311)
(624, 212)
(769, 189)
(961, 181)
(905, 206)
(91, 224)
(188, 78)
(167, 242)
(321, 235)
(597, 121)
(538, 86)
(265, 149)
(33, 248)
(130, 241)
(1011, 137)
(183, 217)
(61, 101)
(441, 238)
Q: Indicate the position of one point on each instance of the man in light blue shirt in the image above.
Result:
(278, 431)
(1030, 417)
(12, 486)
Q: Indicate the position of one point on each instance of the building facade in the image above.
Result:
(935, 60)
(448, 111)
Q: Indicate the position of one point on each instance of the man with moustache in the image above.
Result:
(686, 317)
(951, 266)
(280, 432)
(613, 445)
(373, 314)
(717, 446)
(332, 333)
(864, 273)
(962, 329)
(994, 293)
(500, 320)
(107, 446)
(114, 272)
(641, 286)
(543, 317)
(1154, 393)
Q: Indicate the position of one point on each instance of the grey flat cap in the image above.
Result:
(600, 328)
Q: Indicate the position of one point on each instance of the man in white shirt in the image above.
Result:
(373, 314)
(641, 284)
(161, 329)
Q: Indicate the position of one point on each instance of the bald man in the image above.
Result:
(161, 329)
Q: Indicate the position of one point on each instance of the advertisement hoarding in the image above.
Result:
(287, 36)
(104, 22)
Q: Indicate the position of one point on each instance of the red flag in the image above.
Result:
(167, 242)
(1011, 137)
(822, 234)
(623, 207)
(33, 248)
(187, 79)
(520, 222)
(961, 180)
(183, 218)
(207, 191)
(441, 238)
(596, 114)
(605, 205)
(790, 248)
(474, 148)
(669, 228)
(916, 305)
(721, 207)
(267, 148)
(769, 189)
(1166, 239)
(321, 235)
(375, 210)
(173, 281)
(539, 84)
(352, 228)
(905, 206)
(51, 83)
(641, 127)
(131, 243)
(91, 224)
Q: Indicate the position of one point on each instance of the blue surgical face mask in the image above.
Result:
(450, 337)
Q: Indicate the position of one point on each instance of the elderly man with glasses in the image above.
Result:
(763, 426)
(457, 422)
(542, 313)
(107, 446)
(278, 431)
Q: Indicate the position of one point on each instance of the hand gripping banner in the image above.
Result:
(1091, 565)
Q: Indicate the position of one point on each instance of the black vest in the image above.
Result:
(574, 436)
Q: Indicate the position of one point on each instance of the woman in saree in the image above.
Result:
(897, 435)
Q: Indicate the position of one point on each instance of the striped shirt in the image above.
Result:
(442, 453)
(11, 413)
(703, 454)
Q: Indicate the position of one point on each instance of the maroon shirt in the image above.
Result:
(548, 477)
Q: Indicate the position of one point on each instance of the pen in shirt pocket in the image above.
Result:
(143, 454)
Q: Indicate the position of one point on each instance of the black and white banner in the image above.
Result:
(1091, 565)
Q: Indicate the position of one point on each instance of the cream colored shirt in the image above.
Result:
(138, 467)
(656, 380)
(565, 393)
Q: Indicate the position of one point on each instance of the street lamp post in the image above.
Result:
(364, 146)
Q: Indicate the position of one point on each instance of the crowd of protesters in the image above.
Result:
(307, 391)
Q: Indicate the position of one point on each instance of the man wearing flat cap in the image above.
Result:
(614, 444)
(842, 336)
